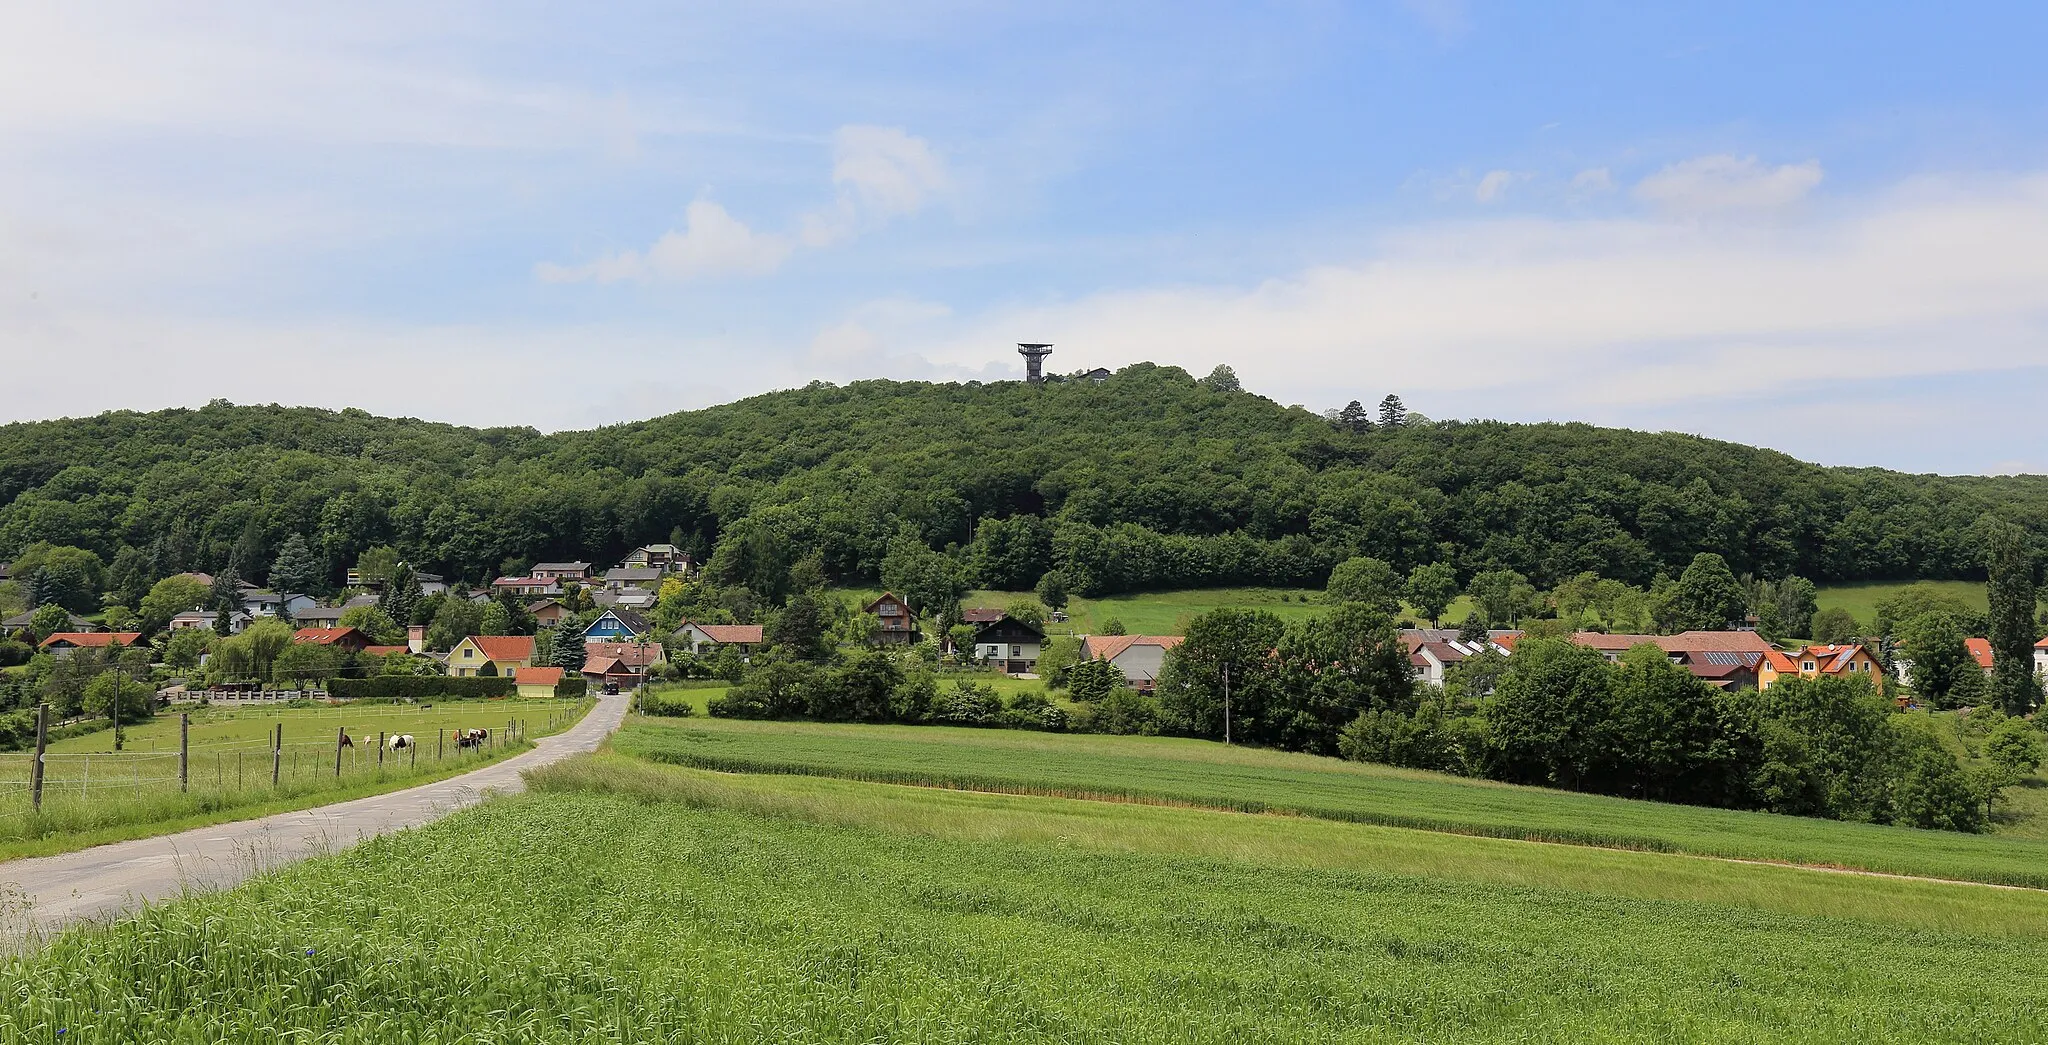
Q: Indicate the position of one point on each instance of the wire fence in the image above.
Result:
(308, 750)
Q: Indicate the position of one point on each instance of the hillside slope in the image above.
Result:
(1150, 479)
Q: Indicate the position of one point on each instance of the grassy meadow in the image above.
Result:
(92, 795)
(1862, 599)
(1205, 774)
(628, 902)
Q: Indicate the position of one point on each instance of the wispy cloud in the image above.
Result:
(1728, 183)
(712, 243)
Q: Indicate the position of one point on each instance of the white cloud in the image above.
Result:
(712, 243)
(1727, 183)
(1593, 180)
(888, 170)
(1494, 185)
(1620, 320)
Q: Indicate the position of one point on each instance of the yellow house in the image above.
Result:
(537, 683)
(1814, 661)
(488, 656)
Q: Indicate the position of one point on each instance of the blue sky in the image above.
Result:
(1818, 227)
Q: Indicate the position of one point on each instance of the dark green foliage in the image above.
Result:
(1236, 642)
(67, 576)
(1367, 581)
(1834, 625)
(1093, 680)
(1706, 598)
(415, 687)
(297, 569)
(799, 628)
(1222, 379)
(968, 704)
(2009, 560)
(1551, 719)
(572, 686)
(1393, 413)
(1052, 590)
(664, 703)
(1123, 711)
(1941, 663)
(567, 651)
(1431, 589)
(1353, 419)
(402, 595)
(1146, 480)
(1503, 597)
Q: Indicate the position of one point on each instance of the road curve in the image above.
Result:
(43, 894)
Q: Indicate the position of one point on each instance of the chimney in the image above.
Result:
(416, 637)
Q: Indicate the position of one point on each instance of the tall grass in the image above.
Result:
(575, 917)
(1198, 773)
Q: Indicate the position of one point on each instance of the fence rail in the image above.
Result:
(331, 755)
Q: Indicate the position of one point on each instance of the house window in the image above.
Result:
(1016, 651)
(1808, 666)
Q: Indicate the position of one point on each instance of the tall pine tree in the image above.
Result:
(401, 594)
(1354, 419)
(2009, 560)
(295, 569)
(568, 651)
(1392, 413)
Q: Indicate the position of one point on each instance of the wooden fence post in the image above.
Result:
(440, 743)
(276, 754)
(380, 749)
(339, 733)
(35, 770)
(184, 752)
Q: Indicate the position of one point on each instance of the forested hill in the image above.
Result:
(1150, 479)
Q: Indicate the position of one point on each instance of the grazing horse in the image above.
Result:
(471, 737)
(399, 742)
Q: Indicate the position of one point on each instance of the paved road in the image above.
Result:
(45, 893)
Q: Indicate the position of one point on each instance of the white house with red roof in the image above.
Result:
(1139, 657)
(704, 638)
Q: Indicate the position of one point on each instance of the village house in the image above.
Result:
(622, 665)
(490, 655)
(1139, 657)
(237, 620)
(703, 638)
(667, 558)
(1723, 659)
(618, 625)
(561, 571)
(895, 624)
(62, 643)
(536, 683)
(547, 611)
(342, 638)
(1817, 661)
(2041, 657)
(619, 578)
(320, 616)
(527, 585)
(629, 597)
(72, 622)
(1011, 645)
(1980, 651)
(261, 604)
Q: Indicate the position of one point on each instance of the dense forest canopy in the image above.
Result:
(1149, 479)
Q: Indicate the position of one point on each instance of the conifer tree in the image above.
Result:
(1392, 413)
(1354, 419)
(295, 569)
(2009, 561)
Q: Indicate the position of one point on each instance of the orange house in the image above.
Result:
(1815, 661)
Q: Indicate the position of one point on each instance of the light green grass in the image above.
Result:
(92, 796)
(1202, 773)
(1862, 599)
(1168, 612)
(580, 916)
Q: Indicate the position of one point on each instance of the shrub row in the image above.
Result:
(418, 686)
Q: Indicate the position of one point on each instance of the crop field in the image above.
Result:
(92, 794)
(630, 902)
(1200, 773)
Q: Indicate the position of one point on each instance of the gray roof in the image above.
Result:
(75, 623)
(560, 566)
(320, 613)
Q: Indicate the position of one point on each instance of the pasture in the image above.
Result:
(638, 903)
(1205, 774)
(1862, 599)
(92, 794)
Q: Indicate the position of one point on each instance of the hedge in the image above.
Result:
(413, 687)
(572, 686)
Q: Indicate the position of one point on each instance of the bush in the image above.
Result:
(1094, 679)
(1123, 711)
(15, 653)
(1034, 711)
(666, 703)
(969, 704)
(414, 687)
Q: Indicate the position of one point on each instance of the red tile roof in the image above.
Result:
(504, 647)
(1683, 642)
(1110, 647)
(1981, 650)
(327, 636)
(536, 676)
(93, 638)
(605, 666)
(743, 634)
(631, 654)
(385, 651)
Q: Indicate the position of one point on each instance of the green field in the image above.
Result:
(1206, 774)
(1862, 599)
(93, 795)
(1167, 612)
(631, 903)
